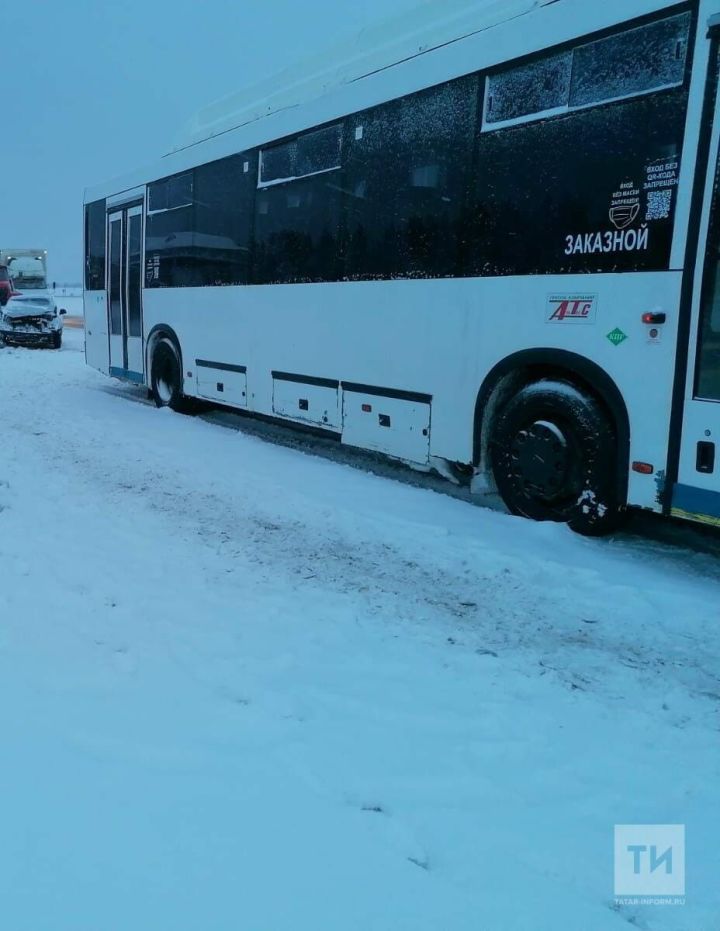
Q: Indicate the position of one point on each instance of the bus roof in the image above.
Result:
(375, 48)
(348, 75)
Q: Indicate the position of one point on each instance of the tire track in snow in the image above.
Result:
(479, 599)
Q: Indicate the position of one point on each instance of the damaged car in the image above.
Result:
(31, 320)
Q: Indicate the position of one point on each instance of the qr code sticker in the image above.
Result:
(659, 203)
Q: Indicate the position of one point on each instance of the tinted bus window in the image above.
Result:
(590, 191)
(319, 150)
(634, 62)
(115, 277)
(224, 194)
(204, 240)
(297, 227)
(95, 246)
(297, 221)
(532, 88)
(171, 193)
(134, 273)
(311, 153)
(169, 259)
(405, 183)
(707, 380)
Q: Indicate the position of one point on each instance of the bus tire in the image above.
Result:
(166, 376)
(553, 452)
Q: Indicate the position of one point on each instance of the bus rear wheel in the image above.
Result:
(166, 376)
(553, 452)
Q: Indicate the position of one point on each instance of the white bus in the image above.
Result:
(488, 246)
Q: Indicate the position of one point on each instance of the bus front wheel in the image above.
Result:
(553, 452)
(166, 376)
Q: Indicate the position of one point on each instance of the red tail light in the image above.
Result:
(654, 318)
(644, 468)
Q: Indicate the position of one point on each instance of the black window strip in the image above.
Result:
(417, 396)
(222, 366)
(306, 379)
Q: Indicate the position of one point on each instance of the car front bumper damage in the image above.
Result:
(29, 330)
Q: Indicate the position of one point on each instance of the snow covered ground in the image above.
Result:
(247, 687)
(72, 303)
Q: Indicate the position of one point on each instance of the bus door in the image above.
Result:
(697, 490)
(125, 264)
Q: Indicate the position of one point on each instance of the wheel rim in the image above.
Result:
(544, 462)
(164, 390)
(164, 379)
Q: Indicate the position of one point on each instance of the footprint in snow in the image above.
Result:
(123, 660)
(397, 836)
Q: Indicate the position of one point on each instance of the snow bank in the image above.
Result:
(246, 687)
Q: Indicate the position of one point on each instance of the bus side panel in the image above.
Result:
(97, 353)
(439, 338)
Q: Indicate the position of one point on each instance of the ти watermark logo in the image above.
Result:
(650, 864)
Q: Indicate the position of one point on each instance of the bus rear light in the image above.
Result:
(644, 468)
(367, 408)
(654, 318)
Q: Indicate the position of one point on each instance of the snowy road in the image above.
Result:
(244, 687)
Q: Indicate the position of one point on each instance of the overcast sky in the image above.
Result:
(94, 88)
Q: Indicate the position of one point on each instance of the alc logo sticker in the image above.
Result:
(571, 308)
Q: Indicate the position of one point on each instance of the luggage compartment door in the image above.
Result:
(219, 381)
(396, 423)
(307, 399)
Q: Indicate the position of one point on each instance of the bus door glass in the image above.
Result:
(697, 492)
(125, 263)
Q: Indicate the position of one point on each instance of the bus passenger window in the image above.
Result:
(309, 154)
(551, 194)
(534, 88)
(199, 226)
(297, 210)
(635, 62)
(405, 183)
(277, 162)
(171, 193)
(319, 150)
(95, 246)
